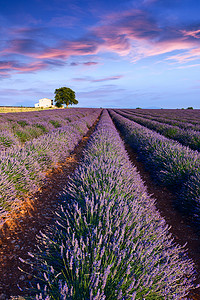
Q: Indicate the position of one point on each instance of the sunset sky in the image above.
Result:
(112, 53)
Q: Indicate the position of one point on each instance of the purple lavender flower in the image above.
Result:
(111, 231)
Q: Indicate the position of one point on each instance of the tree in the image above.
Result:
(66, 96)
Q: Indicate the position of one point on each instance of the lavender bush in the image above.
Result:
(22, 170)
(186, 137)
(109, 242)
(170, 163)
(17, 128)
(185, 119)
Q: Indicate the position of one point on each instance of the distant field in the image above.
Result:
(7, 109)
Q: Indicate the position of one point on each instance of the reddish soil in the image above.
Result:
(180, 226)
(18, 235)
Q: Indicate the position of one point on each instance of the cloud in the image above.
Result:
(107, 78)
(193, 54)
(31, 67)
(115, 34)
(7, 67)
(54, 62)
(120, 30)
(98, 80)
(26, 32)
(70, 48)
(188, 66)
(74, 64)
(87, 63)
(102, 93)
(150, 49)
(193, 33)
(135, 34)
(90, 63)
(24, 46)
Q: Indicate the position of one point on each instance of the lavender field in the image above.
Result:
(108, 240)
(173, 164)
(187, 133)
(32, 143)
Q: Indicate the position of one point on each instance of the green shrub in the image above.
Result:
(68, 119)
(5, 141)
(22, 123)
(22, 136)
(40, 126)
(56, 124)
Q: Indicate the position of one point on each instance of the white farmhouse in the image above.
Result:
(44, 102)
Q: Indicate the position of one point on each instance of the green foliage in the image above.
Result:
(22, 123)
(56, 124)
(33, 132)
(68, 119)
(6, 141)
(23, 136)
(190, 107)
(40, 126)
(171, 132)
(66, 96)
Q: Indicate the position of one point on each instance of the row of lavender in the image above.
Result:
(188, 137)
(169, 162)
(17, 128)
(183, 118)
(109, 242)
(22, 170)
(166, 118)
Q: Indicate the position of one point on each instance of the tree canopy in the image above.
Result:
(65, 95)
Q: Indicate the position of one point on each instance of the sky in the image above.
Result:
(112, 53)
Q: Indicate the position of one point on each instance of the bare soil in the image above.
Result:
(18, 234)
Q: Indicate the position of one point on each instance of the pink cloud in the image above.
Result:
(149, 49)
(22, 46)
(193, 33)
(8, 67)
(31, 67)
(135, 34)
(188, 66)
(118, 31)
(128, 33)
(69, 48)
(118, 44)
(191, 54)
(132, 33)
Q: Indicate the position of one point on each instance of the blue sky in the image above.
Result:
(140, 53)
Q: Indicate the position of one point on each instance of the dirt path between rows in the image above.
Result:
(18, 236)
(181, 228)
